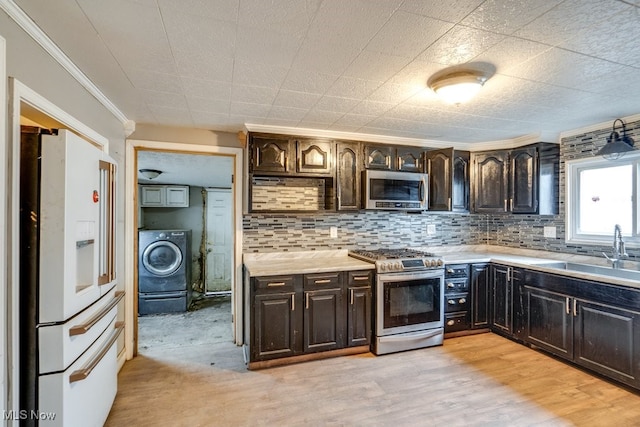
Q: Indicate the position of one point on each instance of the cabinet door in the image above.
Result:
(523, 180)
(276, 326)
(480, 296)
(490, 182)
(409, 159)
(501, 298)
(177, 196)
(606, 340)
(348, 176)
(323, 320)
(549, 323)
(270, 155)
(379, 157)
(359, 316)
(314, 157)
(152, 196)
(461, 182)
(440, 170)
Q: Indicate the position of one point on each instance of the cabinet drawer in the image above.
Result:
(456, 270)
(455, 322)
(274, 283)
(456, 285)
(360, 278)
(456, 302)
(322, 280)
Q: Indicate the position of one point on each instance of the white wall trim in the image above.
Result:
(131, 231)
(384, 139)
(4, 228)
(598, 126)
(19, 94)
(32, 29)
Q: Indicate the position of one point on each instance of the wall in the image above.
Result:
(513, 230)
(190, 218)
(30, 64)
(185, 135)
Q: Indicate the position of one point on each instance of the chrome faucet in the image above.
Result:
(618, 248)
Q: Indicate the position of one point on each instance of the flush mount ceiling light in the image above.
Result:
(617, 145)
(458, 86)
(150, 173)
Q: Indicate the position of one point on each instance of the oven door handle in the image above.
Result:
(412, 336)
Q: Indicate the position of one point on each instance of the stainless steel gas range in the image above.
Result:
(409, 299)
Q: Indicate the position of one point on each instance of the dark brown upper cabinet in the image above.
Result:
(314, 157)
(522, 180)
(448, 171)
(391, 157)
(270, 155)
(348, 176)
(409, 159)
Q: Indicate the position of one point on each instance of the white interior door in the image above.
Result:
(219, 244)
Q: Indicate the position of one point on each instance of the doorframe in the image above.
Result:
(5, 372)
(18, 95)
(132, 146)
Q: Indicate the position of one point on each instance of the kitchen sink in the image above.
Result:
(594, 269)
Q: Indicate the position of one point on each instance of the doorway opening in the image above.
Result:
(191, 193)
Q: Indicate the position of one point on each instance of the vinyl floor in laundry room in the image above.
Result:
(189, 373)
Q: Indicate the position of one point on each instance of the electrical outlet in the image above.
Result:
(333, 232)
(431, 229)
(550, 232)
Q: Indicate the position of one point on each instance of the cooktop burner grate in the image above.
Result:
(391, 253)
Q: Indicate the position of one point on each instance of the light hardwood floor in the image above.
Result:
(480, 380)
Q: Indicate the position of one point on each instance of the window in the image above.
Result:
(600, 194)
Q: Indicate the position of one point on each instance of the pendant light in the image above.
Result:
(617, 145)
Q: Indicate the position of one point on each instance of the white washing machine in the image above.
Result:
(164, 273)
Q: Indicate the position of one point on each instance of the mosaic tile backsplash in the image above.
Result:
(371, 229)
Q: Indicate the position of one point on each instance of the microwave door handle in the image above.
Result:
(421, 190)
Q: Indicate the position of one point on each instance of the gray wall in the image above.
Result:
(190, 218)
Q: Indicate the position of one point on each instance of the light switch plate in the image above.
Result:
(550, 232)
(333, 232)
(431, 229)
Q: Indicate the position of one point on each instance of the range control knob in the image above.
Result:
(433, 263)
(398, 265)
(439, 263)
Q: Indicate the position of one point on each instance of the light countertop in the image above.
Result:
(304, 262)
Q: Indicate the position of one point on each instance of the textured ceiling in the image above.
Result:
(186, 169)
(355, 66)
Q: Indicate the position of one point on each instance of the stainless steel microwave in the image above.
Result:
(386, 190)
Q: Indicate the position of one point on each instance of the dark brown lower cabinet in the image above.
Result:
(601, 336)
(323, 320)
(276, 326)
(303, 314)
(480, 296)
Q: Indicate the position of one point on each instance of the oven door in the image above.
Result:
(407, 302)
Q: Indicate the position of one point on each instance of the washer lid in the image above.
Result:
(162, 258)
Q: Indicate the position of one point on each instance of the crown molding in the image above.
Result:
(32, 29)
(597, 127)
(384, 139)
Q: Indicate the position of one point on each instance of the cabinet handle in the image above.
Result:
(575, 307)
(361, 278)
(462, 301)
(450, 285)
(450, 270)
(399, 163)
(449, 203)
(567, 305)
(293, 302)
(451, 302)
(273, 284)
(509, 277)
(351, 297)
(319, 282)
(505, 205)
(306, 296)
(429, 165)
